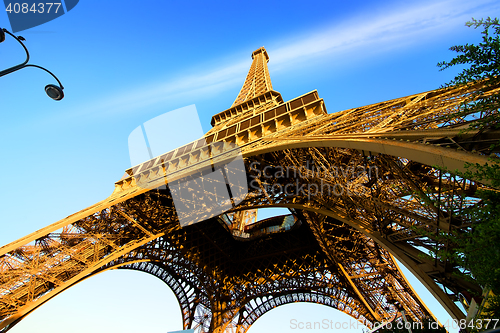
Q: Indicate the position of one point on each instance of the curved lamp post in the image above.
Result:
(53, 91)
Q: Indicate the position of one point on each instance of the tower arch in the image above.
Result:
(339, 244)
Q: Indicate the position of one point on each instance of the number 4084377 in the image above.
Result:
(478, 323)
(40, 8)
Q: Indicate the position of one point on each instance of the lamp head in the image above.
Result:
(54, 92)
(2, 35)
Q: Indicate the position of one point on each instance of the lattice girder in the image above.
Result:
(384, 213)
(374, 217)
(311, 276)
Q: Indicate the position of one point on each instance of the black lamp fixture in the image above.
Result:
(53, 91)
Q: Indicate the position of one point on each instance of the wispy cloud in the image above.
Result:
(198, 85)
(396, 28)
(399, 28)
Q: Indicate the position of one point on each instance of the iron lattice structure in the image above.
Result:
(367, 188)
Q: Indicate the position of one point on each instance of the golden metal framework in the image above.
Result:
(337, 246)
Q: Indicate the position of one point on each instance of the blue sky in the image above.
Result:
(125, 62)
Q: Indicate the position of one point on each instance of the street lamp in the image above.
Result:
(53, 91)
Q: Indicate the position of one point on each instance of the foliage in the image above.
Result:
(479, 251)
(492, 309)
(483, 61)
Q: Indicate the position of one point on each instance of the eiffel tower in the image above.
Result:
(367, 188)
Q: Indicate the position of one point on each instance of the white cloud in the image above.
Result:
(396, 28)
(203, 84)
(399, 27)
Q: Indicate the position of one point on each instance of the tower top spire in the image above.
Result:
(256, 95)
(258, 80)
(261, 50)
